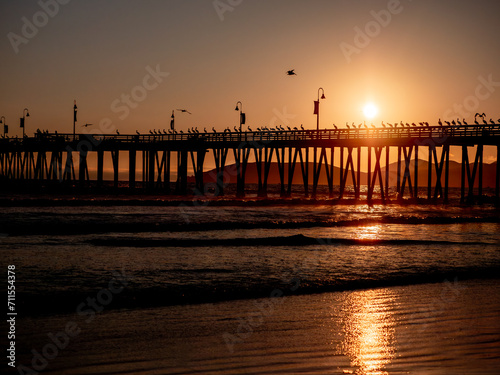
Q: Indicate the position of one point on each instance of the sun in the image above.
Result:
(370, 110)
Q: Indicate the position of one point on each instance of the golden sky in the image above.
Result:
(130, 63)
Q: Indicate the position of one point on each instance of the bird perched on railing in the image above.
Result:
(447, 123)
(373, 126)
(458, 121)
(302, 127)
(137, 132)
(390, 125)
(493, 122)
(150, 132)
(484, 121)
(413, 124)
(475, 121)
(335, 126)
(117, 132)
(213, 129)
(383, 125)
(347, 126)
(440, 123)
(498, 120)
(465, 122)
(164, 131)
(453, 122)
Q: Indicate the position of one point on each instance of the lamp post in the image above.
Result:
(5, 127)
(242, 115)
(75, 108)
(316, 106)
(23, 119)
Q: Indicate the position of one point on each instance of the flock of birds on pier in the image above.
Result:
(280, 128)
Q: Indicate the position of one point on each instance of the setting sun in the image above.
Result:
(370, 110)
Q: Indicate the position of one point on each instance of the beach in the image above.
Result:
(443, 328)
(235, 289)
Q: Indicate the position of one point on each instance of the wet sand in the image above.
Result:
(442, 328)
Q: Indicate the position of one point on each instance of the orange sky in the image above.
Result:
(416, 60)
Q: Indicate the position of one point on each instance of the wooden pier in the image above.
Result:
(55, 157)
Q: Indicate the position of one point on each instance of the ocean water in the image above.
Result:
(190, 273)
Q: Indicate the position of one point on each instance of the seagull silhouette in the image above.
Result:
(86, 125)
(291, 72)
(184, 110)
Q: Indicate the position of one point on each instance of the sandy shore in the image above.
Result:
(443, 328)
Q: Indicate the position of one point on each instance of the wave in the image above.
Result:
(90, 224)
(294, 241)
(135, 296)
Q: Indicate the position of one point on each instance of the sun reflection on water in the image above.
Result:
(368, 331)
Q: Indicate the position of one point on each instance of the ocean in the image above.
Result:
(254, 288)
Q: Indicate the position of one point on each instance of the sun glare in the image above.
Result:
(370, 110)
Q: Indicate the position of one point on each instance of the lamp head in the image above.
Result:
(236, 109)
(323, 96)
(27, 114)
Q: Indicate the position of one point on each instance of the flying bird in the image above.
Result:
(86, 125)
(291, 72)
(184, 110)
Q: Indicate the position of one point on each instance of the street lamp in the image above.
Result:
(23, 119)
(5, 126)
(316, 106)
(242, 115)
(75, 108)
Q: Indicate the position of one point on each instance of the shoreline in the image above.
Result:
(87, 199)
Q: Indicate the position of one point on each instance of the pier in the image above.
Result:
(53, 157)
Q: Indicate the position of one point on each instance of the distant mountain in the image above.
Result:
(489, 172)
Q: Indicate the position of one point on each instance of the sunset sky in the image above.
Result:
(415, 60)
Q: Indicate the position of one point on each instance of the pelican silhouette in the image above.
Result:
(150, 132)
(373, 126)
(235, 129)
(138, 132)
(447, 123)
(475, 121)
(335, 126)
(453, 122)
(458, 121)
(213, 129)
(440, 123)
(291, 72)
(493, 122)
(205, 130)
(413, 124)
(383, 125)
(117, 132)
(302, 127)
(347, 126)
(184, 110)
(465, 122)
(484, 121)
(164, 131)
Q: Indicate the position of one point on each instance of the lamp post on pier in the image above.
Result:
(75, 108)
(5, 126)
(316, 107)
(242, 115)
(22, 120)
